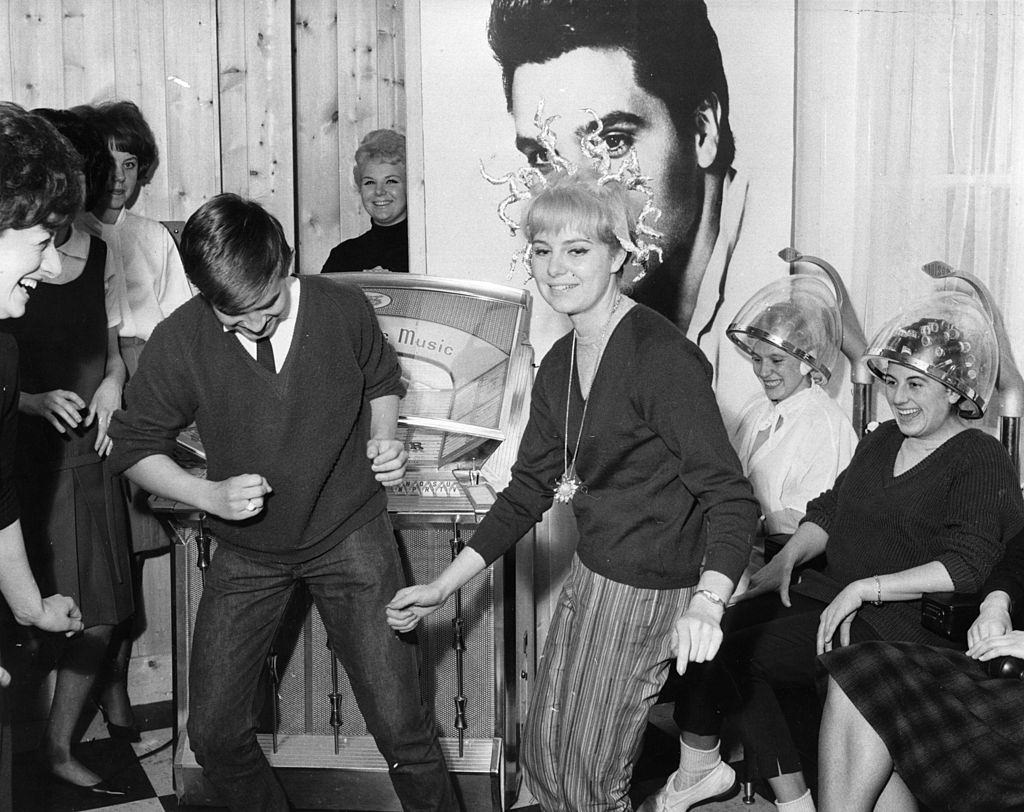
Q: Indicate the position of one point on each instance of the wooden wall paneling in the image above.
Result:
(134, 22)
(37, 53)
(89, 61)
(144, 78)
(255, 72)
(415, 190)
(6, 46)
(357, 100)
(192, 148)
(320, 171)
(390, 66)
(275, 182)
(233, 87)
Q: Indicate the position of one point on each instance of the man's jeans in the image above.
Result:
(239, 613)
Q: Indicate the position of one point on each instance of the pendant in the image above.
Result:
(567, 485)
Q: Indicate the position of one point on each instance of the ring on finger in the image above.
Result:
(251, 505)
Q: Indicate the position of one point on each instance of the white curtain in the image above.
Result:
(910, 147)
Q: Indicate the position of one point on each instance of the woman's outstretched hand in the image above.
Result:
(697, 633)
(412, 604)
(775, 576)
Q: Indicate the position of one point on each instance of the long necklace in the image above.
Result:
(569, 483)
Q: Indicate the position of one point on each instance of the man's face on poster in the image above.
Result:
(602, 80)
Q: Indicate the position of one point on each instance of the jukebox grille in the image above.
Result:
(304, 661)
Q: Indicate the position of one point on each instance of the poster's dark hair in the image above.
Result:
(124, 128)
(38, 172)
(234, 251)
(385, 146)
(674, 49)
(88, 143)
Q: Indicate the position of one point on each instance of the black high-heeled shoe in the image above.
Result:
(104, 787)
(127, 733)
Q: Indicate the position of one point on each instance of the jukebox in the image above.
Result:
(467, 366)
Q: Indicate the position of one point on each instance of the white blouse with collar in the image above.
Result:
(810, 441)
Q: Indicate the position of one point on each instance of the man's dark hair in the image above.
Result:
(124, 128)
(233, 251)
(671, 42)
(38, 172)
(88, 143)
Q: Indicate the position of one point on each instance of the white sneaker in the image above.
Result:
(718, 785)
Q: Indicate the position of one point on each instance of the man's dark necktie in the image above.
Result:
(265, 354)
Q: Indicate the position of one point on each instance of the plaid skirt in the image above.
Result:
(956, 736)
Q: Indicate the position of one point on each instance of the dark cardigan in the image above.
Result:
(664, 488)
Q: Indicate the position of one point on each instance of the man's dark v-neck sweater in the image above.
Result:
(304, 429)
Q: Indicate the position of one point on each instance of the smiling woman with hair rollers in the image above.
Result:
(624, 428)
(793, 439)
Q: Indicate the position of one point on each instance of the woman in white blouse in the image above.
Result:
(793, 439)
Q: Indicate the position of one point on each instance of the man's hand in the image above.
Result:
(412, 604)
(239, 497)
(388, 459)
(60, 614)
(60, 408)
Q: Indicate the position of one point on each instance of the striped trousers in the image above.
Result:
(605, 660)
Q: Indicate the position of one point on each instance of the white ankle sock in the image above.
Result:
(802, 804)
(695, 765)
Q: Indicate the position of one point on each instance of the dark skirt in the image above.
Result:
(956, 736)
(76, 533)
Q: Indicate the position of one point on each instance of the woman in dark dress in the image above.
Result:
(37, 192)
(73, 510)
(905, 722)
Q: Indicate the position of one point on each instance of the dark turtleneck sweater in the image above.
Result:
(386, 246)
